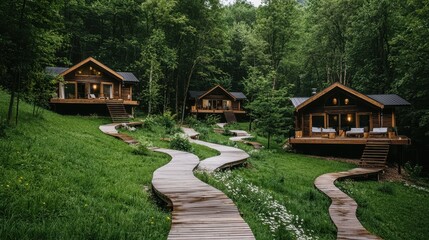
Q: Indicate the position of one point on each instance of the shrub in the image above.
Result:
(212, 120)
(167, 120)
(180, 142)
(192, 121)
(414, 171)
(142, 148)
(385, 188)
(149, 123)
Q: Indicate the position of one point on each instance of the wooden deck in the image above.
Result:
(89, 101)
(228, 156)
(343, 208)
(199, 210)
(216, 111)
(401, 140)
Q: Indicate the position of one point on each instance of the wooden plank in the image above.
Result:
(343, 208)
(199, 210)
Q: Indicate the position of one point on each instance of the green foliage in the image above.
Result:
(386, 188)
(272, 113)
(180, 142)
(142, 147)
(414, 171)
(212, 119)
(167, 120)
(58, 180)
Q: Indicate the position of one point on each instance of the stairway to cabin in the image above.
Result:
(117, 111)
(375, 154)
(230, 116)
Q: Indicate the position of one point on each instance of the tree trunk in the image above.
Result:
(10, 110)
(149, 107)
(17, 98)
(187, 89)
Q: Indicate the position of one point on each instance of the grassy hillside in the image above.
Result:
(60, 177)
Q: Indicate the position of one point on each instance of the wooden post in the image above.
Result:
(393, 119)
(311, 124)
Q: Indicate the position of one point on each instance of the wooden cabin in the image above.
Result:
(341, 115)
(217, 100)
(90, 86)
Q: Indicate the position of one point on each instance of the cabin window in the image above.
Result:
(226, 104)
(206, 104)
(95, 89)
(318, 121)
(81, 93)
(70, 90)
(348, 121)
(108, 90)
(364, 121)
(334, 121)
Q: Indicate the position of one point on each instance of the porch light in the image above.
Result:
(334, 101)
(80, 72)
(349, 117)
(346, 101)
(90, 68)
(94, 86)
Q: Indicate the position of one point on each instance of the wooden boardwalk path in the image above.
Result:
(112, 130)
(199, 210)
(228, 156)
(343, 208)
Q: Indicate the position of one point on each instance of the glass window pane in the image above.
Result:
(69, 90)
(107, 90)
(318, 121)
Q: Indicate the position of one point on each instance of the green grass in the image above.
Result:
(61, 178)
(390, 209)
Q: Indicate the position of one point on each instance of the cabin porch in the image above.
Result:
(90, 101)
(325, 139)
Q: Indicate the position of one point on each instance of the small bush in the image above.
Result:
(212, 119)
(149, 123)
(167, 120)
(192, 121)
(203, 132)
(385, 188)
(180, 142)
(413, 171)
(142, 148)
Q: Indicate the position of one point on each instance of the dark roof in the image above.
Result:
(195, 94)
(237, 95)
(55, 70)
(385, 99)
(390, 100)
(128, 76)
(296, 101)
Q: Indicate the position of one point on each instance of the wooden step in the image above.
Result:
(375, 154)
(117, 111)
(230, 116)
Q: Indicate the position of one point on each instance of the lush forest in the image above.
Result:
(280, 49)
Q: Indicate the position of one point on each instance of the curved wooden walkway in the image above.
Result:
(343, 208)
(199, 210)
(229, 156)
(112, 130)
